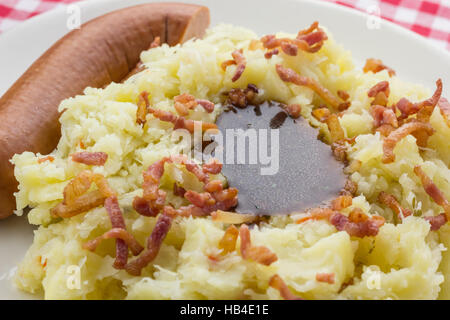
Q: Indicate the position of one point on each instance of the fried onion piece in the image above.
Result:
(228, 241)
(90, 158)
(277, 283)
(116, 233)
(392, 202)
(433, 191)
(336, 131)
(289, 75)
(77, 186)
(321, 114)
(325, 277)
(79, 205)
(395, 136)
(376, 65)
(259, 254)
(103, 185)
(341, 202)
(154, 242)
(142, 106)
(233, 217)
(408, 108)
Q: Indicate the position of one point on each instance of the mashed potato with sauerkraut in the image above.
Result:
(405, 260)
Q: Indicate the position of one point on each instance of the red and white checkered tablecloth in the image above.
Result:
(430, 18)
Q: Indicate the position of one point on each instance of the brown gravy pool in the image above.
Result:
(308, 174)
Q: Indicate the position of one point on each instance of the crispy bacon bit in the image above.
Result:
(259, 254)
(325, 277)
(213, 186)
(154, 242)
(289, 48)
(385, 129)
(356, 228)
(46, 158)
(341, 202)
(307, 40)
(81, 204)
(383, 116)
(277, 283)
(155, 43)
(444, 107)
(90, 158)
(233, 217)
(241, 98)
(213, 166)
(316, 214)
(289, 75)
(344, 106)
(271, 53)
(178, 191)
(181, 122)
(392, 202)
(321, 114)
(376, 65)
(395, 136)
(432, 190)
(214, 198)
(238, 60)
(115, 233)
(294, 110)
(336, 131)
(117, 221)
(183, 103)
(408, 108)
(380, 92)
(143, 208)
(153, 199)
(437, 222)
(228, 241)
(207, 105)
(142, 106)
(343, 95)
(310, 40)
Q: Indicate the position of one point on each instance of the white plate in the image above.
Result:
(414, 58)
